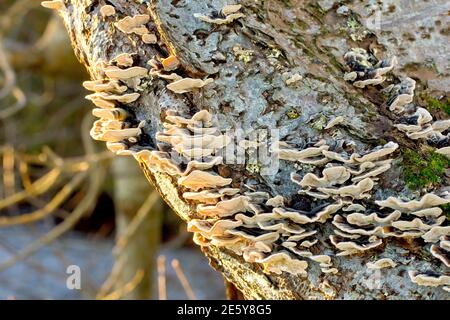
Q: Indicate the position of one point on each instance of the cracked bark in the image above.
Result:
(249, 92)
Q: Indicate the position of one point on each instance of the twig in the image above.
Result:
(42, 185)
(134, 224)
(127, 288)
(51, 206)
(183, 280)
(161, 267)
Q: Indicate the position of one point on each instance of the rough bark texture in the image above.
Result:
(249, 91)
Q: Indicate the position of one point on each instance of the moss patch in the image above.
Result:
(436, 104)
(423, 171)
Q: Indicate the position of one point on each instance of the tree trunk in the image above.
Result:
(138, 227)
(281, 66)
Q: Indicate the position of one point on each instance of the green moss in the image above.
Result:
(320, 123)
(253, 167)
(420, 172)
(292, 114)
(435, 104)
(446, 210)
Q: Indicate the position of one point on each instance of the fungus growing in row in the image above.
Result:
(133, 24)
(110, 114)
(418, 126)
(107, 11)
(228, 14)
(352, 247)
(197, 180)
(112, 86)
(54, 5)
(427, 201)
(149, 38)
(430, 280)
(123, 60)
(312, 155)
(441, 253)
(282, 261)
(381, 264)
(124, 98)
(436, 233)
(366, 69)
(188, 84)
(224, 208)
(116, 73)
(401, 94)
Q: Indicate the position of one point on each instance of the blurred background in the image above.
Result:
(65, 202)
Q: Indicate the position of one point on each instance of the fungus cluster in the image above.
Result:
(400, 94)
(226, 15)
(111, 94)
(346, 180)
(420, 125)
(54, 4)
(261, 227)
(365, 68)
(254, 224)
(137, 25)
(163, 69)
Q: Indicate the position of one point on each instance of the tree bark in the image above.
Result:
(249, 60)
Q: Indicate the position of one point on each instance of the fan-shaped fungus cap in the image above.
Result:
(441, 254)
(188, 84)
(416, 224)
(319, 214)
(339, 222)
(277, 201)
(132, 24)
(211, 227)
(282, 261)
(110, 114)
(123, 60)
(358, 191)
(124, 98)
(331, 176)
(149, 38)
(228, 11)
(197, 180)
(361, 219)
(107, 10)
(381, 264)
(170, 63)
(55, 4)
(429, 280)
(435, 233)
(112, 86)
(427, 201)
(312, 155)
(124, 74)
(350, 247)
(224, 208)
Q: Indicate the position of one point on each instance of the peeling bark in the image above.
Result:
(249, 91)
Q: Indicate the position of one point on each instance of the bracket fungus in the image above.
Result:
(226, 15)
(133, 24)
(54, 4)
(381, 264)
(188, 84)
(401, 94)
(430, 280)
(366, 69)
(107, 10)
